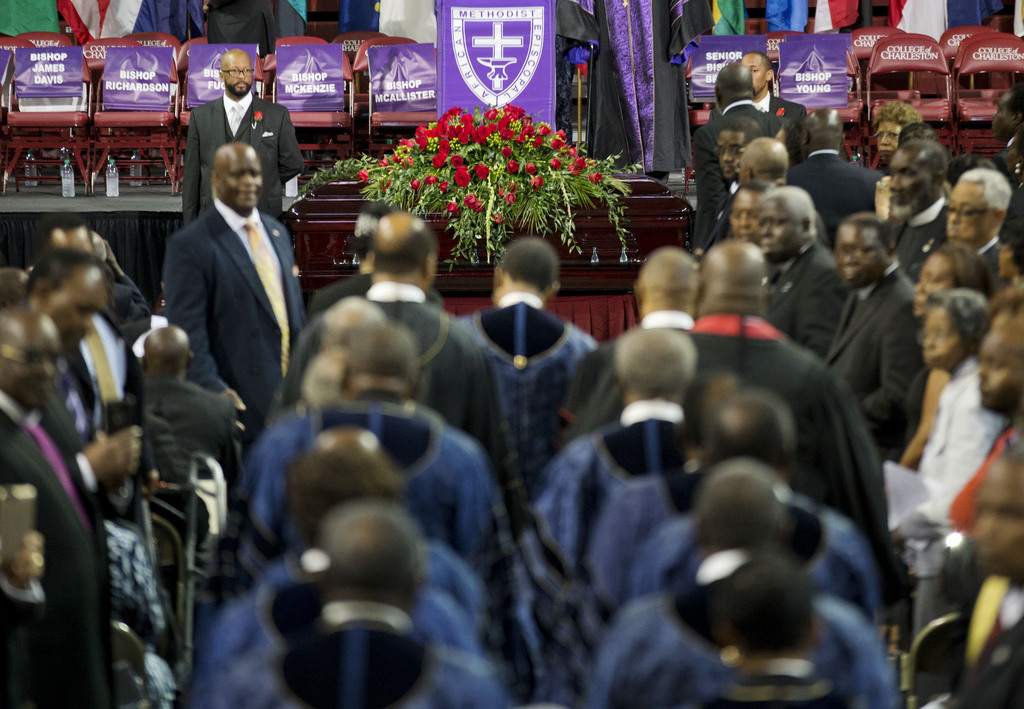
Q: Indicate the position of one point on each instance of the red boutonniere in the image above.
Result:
(257, 116)
(781, 112)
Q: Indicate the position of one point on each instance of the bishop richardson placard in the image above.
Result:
(493, 52)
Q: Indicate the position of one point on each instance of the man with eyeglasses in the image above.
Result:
(732, 144)
(838, 188)
(239, 117)
(977, 208)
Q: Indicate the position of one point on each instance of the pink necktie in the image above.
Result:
(56, 461)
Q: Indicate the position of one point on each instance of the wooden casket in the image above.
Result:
(323, 222)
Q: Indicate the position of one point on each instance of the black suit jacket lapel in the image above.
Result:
(864, 314)
(227, 241)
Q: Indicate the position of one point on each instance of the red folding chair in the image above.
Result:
(388, 127)
(907, 61)
(855, 129)
(48, 39)
(297, 40)
(49, 130)
(984, 56)
(864, 39)
(360, 96)
(351, 40)
(122, 133)
(951, 39)
(774, 38)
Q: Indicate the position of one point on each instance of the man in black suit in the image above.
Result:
(838, 188)
(1008, 116)
(875, 349)
(231, 283)
(917, 173)
(763, 73)
(764, 162)
(805, 295)
(238, 116)
(68, 657)
(994, 675)
(977, 208)
(734, 95)
(733, 140)
(199, 420)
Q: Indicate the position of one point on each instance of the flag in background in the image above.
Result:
(834, 14)
(91, 19)
(918, 16)
(356, 15)
(729, 16)
(786, 15)
(970, 12)
(17, 16)
(291, 17)
(1018, 18)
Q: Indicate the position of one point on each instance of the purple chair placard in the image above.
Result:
(137, 78)
(311, 77)
(403, 77)
(713, 53)
(48, 72)
(812, 70)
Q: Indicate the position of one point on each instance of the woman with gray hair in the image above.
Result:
(954, 323)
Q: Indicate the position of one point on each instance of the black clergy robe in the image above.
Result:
(914, 244)
(638, 107)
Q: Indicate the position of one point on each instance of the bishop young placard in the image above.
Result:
(495, 52)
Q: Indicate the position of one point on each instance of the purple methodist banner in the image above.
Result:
(204, 83)
(812, 70)
(403, 77)
(713, 53)
(48, 72)
(311, 77)
(137, 78)
(493, 53)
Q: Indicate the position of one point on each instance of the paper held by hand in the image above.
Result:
(906, 491)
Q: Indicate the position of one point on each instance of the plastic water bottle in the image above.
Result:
(135, 169)
(291, 187)
(65, 154)
(624, 256)
(593, 256)
(31, 170)
(67, 180)
(113, 189)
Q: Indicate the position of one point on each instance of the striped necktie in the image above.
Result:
(272, 285)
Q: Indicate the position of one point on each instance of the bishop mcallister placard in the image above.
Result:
(496, 52)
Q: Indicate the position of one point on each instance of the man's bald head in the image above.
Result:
(404, 249)
(166, 352)
(824, 130)
(381, 357)
(13, 285)
(737, 507)
(60, 230)
(343, 316)
(667, 281)
(734, 83)
(654, 364)
(752, 423)
(230, 57)
(764, 159)
(732, 280)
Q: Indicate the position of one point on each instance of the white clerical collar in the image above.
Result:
(648, 409)
(337, 614)
(824, 151)
(393, 292)
(230, 103)
(990, 245)
(764, 104)
(928, 215)
(236, 222)
(668, 320)
(518, 296)
(863, 293)
(734, 104)
(721, 565)
(734, 187)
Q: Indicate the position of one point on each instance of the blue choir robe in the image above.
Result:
(358, 668)
(283, 603)
(835, 553)
(533, 355)
(449, 489)
(651, 658)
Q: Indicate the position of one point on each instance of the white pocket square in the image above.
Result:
(268, 134)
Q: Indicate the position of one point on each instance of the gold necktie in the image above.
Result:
(272, 285)
(101, 365)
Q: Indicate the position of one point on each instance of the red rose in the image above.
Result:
(580, 163)
(555, 164)
(452, 208)
(482, 171)
(536, 182)
(491, 114)
(457, 161)
(462, 177)
(513, 166)
(258, 116)
(422, 142)
(439, 160)
(415, 184)
(538, 141)
(510, 198)
(467, 119)
(410, 162)
(530, 168)
(420, 130)
(432, 133)
(506, 152)
(430, 179)
(561, 134)
(480, 136)
(781, 112)
(572, 151)
(557, 143)
(383, 162)
(443, 145)
(443, 185)
(469, 200)
(544, 129)
(596, 177)
(507, 134)
(498, 219)
(363, 176)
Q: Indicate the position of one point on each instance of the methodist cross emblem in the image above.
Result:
(497, 50)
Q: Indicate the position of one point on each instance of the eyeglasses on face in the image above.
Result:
(237, 72)
(967, 212)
